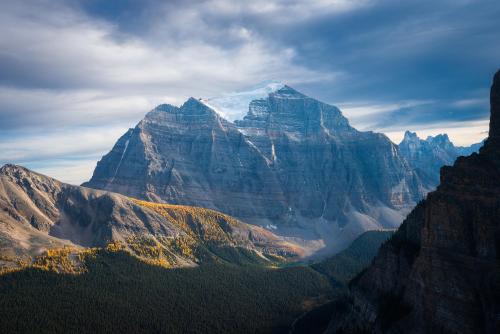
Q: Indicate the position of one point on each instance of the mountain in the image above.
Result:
(440, 272)
(38, 213)
(427, 156)
(292, 164)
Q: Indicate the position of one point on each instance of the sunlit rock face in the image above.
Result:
(292, 163)
(440, 272)
(427, 156)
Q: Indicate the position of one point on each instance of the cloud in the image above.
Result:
(72, 69)
(30, 108)
(183, 16)
(93, 67)
(397, 50)
(66, 49)
(364, 115)
(70, 142)
(71, 84)
(70, 155)
(472, 102)
(283, 11)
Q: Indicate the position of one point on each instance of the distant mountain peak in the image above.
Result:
(288, 92)
(439, 137)
(441, 140)
(428, 155)
(165, 107)
(194, 103)
(410, 136)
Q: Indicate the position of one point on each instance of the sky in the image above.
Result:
(76, 74)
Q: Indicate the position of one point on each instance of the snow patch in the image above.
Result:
(271, 227)
(120, 162)
(273, 152)
(234, 106)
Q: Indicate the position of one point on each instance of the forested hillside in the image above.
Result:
(120, 293)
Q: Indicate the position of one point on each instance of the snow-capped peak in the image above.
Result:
(233, 106)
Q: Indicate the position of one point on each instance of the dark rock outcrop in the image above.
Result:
(493, 141)
(440, 272)
(293, 163)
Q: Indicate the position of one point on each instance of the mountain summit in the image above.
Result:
(293, 164)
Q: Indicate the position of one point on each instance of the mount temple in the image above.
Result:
(293, 164)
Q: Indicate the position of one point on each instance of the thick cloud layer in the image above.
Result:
(75, 74)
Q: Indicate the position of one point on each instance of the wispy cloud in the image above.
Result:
(364, 115)
(70, 154)
(70, 142)
(477, 102)
(69, 80)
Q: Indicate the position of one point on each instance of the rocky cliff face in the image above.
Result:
(292, 163)
(38, 213)
(440, 272)
(427, 156)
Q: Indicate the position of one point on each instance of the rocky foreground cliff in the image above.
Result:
(440, 272)
(293, 164)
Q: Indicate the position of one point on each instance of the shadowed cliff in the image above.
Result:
(440, 272)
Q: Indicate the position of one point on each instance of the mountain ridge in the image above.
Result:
(39, 213)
